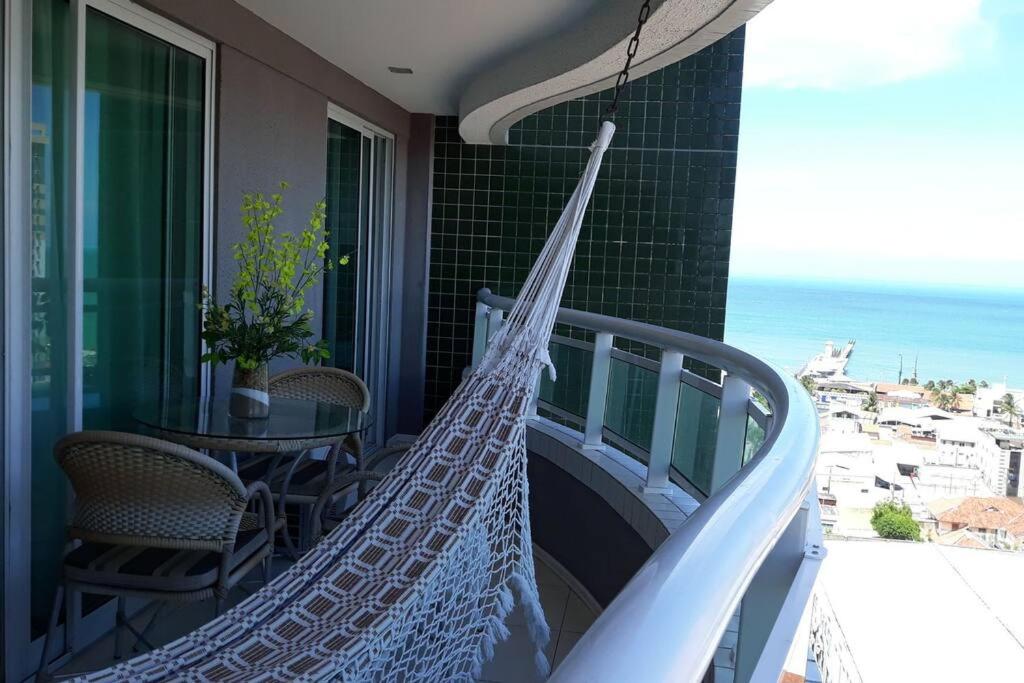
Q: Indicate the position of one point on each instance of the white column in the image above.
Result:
(666, 408)
(495, 318)
(598, 397)
(732, 431)
(480, 332)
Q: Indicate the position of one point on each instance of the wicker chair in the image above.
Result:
(156, 520)
(337, 500)
(302, 481)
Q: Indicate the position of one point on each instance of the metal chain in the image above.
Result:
(631, 48)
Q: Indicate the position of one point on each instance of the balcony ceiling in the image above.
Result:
(493, 62)
(445, 42)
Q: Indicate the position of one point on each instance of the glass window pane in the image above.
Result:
(344, 201)
(754, 440)
(143, 199)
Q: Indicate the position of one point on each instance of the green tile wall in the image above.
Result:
(655, 242)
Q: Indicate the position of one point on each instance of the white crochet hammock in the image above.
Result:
(416, 584)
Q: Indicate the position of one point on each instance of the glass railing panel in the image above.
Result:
(571, 391)
(754, 440)
(629, 412)
(693, 448)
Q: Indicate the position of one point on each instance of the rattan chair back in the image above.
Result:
(141, 491)
(327, 385)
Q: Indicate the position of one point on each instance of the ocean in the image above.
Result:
(952, 333)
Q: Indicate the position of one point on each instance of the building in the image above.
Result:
(902, 395)
(445, 144)
(984, 445)
(1000, 454)
(915, 422)
(958, 443)
(998, 521)
(988, 400)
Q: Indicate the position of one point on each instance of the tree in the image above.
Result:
(1008, 406)
(898, 527)
(870, 404)
(892, 519)
(945, 400)
(809, 383)
(983, 384)
(930, 385)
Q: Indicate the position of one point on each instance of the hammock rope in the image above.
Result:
(416, 583)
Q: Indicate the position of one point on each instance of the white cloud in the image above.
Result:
(841, 44)
(878, 212)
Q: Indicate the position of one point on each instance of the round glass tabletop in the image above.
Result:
(289, 420)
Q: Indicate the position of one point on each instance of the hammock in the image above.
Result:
(416, 583)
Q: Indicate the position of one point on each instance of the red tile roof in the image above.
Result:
(982, 513)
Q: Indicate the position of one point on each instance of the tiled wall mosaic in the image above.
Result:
(655, 243)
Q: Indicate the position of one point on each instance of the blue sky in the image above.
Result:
(883, 140)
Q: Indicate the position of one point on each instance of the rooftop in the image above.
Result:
(981, 513)
(946, 608)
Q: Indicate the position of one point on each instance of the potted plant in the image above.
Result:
(265, 316)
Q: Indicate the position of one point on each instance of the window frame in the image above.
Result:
(377, 352)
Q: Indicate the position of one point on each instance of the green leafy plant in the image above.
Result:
(266, 315)
(870, 404)
(894, 520)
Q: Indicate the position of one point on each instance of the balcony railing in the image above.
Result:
(734, 432)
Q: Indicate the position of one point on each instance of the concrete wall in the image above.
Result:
(270, 128)
(271, 125)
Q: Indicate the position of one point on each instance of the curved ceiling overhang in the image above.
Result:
(588, 58)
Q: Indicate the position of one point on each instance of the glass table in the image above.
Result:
(293, 425)
(293, 429)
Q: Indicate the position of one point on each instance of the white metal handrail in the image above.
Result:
(667, 622)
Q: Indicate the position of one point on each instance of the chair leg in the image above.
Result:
(72, 610)
(218, 607)
(265, 570)
(44, 659)
(119, 622)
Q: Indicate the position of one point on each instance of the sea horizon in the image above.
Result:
(952, 331)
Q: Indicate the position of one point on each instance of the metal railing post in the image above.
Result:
(732, 431)
(666, 408)
(599, 369)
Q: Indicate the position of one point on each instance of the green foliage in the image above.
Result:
(1008, 406)
(948, 385)
(266, 316)
(891, 519)
(886, 507)
(809, 383)
(897, 527)
(870, 404)
(945, 400)
(760, 400)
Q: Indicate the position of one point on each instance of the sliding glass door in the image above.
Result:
(360, 162)
(120, 177)
(143, 215)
